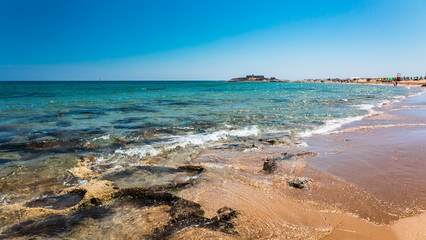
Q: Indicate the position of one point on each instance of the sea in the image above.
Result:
(48, 127)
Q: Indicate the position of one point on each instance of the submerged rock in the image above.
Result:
(268, 141)
(236, 147)
(148, 176)
(288, 161)
(300, 182)
(58, 202)
(58, 216)
(82, 171)
(269, 166)
(54, 224)
(225, 214)
(185, 214)
(192, 168)
(91, 147)
(183, 209)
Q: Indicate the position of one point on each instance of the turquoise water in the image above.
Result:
(46, 128)
(170, 111)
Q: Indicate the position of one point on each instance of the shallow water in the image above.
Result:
(48, 127)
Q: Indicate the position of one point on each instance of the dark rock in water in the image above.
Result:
(58, 202)
(133, 108)
(89, 111)
(120, 142)
(54, 225)
(186, 214)
(269, 166)
(65, 141)
(183, 213)
(63, 124)
(126, 173)
(158, 193)
(192, 168)
(3, 161)
(149, 176)
(268, 141)
(237, 147)
(66, 134)
(225, 214)
(300, 183)
(203, 125)
(44, 118)
(129, 120)
(183, 209)
(91, 146)
(289, 156)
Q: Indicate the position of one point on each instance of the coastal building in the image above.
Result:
(256, 76)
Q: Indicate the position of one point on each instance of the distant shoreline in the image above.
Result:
(374, 81)
(371, 82)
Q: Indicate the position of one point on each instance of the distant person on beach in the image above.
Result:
(395, 83)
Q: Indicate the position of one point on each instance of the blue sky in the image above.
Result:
(210, 40)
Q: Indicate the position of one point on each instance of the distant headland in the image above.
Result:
(256, 78)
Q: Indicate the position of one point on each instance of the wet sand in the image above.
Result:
(368, 183)
(364, 181)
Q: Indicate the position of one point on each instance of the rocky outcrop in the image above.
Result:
(54, 215)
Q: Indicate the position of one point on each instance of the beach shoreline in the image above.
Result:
(339, 203)
(372, 82)
(331, 183)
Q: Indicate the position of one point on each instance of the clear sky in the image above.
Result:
(210, 40)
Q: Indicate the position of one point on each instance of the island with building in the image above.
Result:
(256, 78)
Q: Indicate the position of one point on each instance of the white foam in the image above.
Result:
(386, 102)
(218, 165)
(330, 125)
(418, 93)
(200, 139)
(187, 178)
(2, 198)
(400, 97)
(333, 124)
(251, 149)
(119, 155)
(105, 137)
(141, 151)
(81, 182)
(302, 144)
(116, 159)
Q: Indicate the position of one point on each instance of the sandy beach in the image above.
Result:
(367, 182)
(420, 83)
